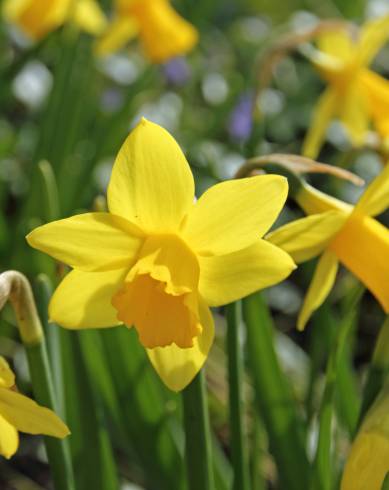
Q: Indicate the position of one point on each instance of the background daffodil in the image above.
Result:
(157, 260)
(38, 18)
(368, 462)
(19, 413)
(163, 33)
(340, 232)
(355, 95)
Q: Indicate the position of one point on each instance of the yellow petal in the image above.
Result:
(337, 44)
(232, 215)
(151, 184)
(375, 199)
(89, 242)
(226, 278)
(117, 35)
(9, 438)
(7, 377)
(374, 35)
(164, 33)
(367, 463)
(376, 89)
(325, 111)
(307, 237)
(177, 367)
(320, 287)
(27, 416)
(354, 113)
(37, 18)
(83, 299)
(89, 16)
(362, 246)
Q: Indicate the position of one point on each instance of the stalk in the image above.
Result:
(235, 379)
(198, 443)
(15, 287)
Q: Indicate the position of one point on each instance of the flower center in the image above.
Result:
(159, 297)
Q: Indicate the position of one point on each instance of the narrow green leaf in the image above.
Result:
(323, 469)
(273, 397)
(378, 371)
(91, 449)
(198, 447)
(236, 402)
(149, 412)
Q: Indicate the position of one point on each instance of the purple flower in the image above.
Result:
(241, 120)
(177, 71)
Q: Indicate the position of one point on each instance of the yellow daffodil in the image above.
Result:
(340, 232)
(157, 260)
(19, 413)
(368, 461)
(163, 33)
(355, 95)
(37, 18)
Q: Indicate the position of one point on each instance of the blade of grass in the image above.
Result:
(274, 400)
(90, 445)
(323, 470)
(235, 383)
(198, 448)
(378, 370)
(149, 412)
(16, 288)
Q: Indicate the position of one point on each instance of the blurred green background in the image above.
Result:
(61, 104)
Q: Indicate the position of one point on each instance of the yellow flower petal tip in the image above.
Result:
(20, 413)
(157, 260)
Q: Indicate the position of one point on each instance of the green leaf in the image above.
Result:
(274, 400)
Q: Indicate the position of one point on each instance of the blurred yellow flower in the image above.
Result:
(37, 18)
(157, 260)
(340, 232)
(19, 413)
(368, 461)
(163, 33)
(355, 95)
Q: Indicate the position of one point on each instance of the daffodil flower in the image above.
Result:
(37, 18)
(368, 462)
(339, 232)
(158, 259)
(19, 413)
(163, 33)
(355, 95)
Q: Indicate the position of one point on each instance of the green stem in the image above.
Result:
(274, 401)
(16, 288)
(322, 467)
(57, 450)
(235, 379)
(378, 371)
(198, 444)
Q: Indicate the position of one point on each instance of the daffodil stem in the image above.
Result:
(379, 370)
(235, 382)
(15, 287)
(57, 451)
(274, 400)
(198, 445)
(322, 467)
